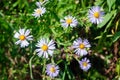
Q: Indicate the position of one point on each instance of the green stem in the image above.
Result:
(83, 4)
(77, 59)
(52, 60)
(43, 70)
(30, 66)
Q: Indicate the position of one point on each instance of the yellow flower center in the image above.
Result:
(69, 21)
(96, 14)
(44, 47)
(38, 11)
(52, 69)
(82, 46)
(84, 64)
(22, 37)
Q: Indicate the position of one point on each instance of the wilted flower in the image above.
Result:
(95, 15)
(80, 46)
(85, 64)
(45, 48)
(24, 37)
(52, 70)
(69, 21)
(39, 12)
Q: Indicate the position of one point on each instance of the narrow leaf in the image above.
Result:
(116, 36)
(107, 17)
(110, 3)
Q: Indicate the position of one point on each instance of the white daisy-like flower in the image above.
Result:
(69, 21)
(39, 12)
(80, 46)
(85, 64)
(95, 15)
(52, 70)
(23, 36)
(40, 3)
(45, 47)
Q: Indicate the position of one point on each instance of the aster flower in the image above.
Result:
(52, 70)
(45, 48)
(95, 15)
(39, 12)
(23, 37)
(85, 64)
(40, 3)
(80, 46)
(69, 21)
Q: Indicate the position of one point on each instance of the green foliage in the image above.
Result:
(116, 37)
(18, 63)
(110, 3)
(107, 17)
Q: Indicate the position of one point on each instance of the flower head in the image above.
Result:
(80, 46)
(85, 64)
(23, 37)
(52, 70)
(40, 3)
(45, 47)
(39, 12)
(95, 15)
(69, 21)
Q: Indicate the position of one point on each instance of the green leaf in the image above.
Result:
(116, 36)
(110, 3)
(107, 17)
(118, 67)
(98, 2)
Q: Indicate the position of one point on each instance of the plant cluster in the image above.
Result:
(60, 39)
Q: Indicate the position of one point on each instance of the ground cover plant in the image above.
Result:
(59, 39)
